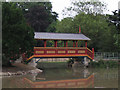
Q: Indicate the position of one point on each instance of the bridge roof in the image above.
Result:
(60, 36)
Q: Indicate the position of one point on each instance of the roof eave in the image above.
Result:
(64, 39)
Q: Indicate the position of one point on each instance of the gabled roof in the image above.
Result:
(59, 36)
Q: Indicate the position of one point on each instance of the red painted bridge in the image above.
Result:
(58, 52)
(63, 52)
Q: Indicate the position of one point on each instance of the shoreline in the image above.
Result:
(19, 69)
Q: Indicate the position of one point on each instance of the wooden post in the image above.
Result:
(73, 43)
(45, 43)
(55, 45)
(66, 44)
(85, 62)
(76, 43)
(85, 43)
(79, 29)
(93, 53)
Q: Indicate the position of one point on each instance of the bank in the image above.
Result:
(19, 69)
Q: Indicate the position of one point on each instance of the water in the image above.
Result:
(65, 77)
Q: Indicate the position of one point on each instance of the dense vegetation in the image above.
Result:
(17, 36)
(21, 20)
(100, 28)
(95, 27)
(39, 15)
(104, 64)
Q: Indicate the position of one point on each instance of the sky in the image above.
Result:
(59, 5)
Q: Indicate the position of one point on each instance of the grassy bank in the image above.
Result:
(46, 65)
(104, 64)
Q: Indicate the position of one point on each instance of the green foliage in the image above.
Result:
(39, 15)
(17, 36)
(115, 20)
(93, 26)
(88, 7)
(104, 64)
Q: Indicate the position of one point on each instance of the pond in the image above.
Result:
(65, 78)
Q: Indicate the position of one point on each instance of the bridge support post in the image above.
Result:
(85, 43)
(85, 62)
(55, 45)
(93, 53)
(76, 43)
(65, 43)
(73, 43)
(44, 43)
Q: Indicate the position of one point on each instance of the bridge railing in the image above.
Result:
(63, 51)
(107, 56)
(89, 53)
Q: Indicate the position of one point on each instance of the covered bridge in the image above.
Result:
(61, 52)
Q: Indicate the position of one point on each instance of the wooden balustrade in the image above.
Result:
(63, 51)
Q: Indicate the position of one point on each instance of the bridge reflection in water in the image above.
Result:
(73, 83)
(65, 78)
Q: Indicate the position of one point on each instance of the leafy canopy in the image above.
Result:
(39, 15)
(17, 36)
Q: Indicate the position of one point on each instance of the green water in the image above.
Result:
(103, 78)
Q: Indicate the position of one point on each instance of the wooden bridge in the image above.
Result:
(61, 52)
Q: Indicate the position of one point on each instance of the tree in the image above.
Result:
(88, 7)
(93, 26)
(39, 15)
(115, 20)
(17, 36)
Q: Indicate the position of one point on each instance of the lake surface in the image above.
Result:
(73, 77)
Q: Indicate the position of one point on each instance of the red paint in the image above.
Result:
(93, 53)
(45, 43)
(55, 43)
(85, 82)
(89, 53)
(79, 29)
(85, 43)
(73, 43)
(59, 52)
(76, 43)
(56, 49)
(66, 44)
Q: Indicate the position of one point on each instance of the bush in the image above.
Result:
(104, 64)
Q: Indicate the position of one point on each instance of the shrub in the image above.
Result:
(104, 64)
